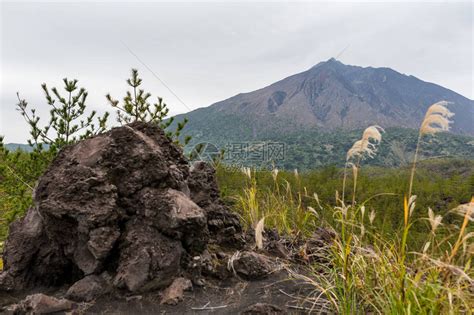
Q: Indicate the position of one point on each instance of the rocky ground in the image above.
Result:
(275, 294)
(121, 224)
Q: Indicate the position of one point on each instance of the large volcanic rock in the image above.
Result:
(121, 209)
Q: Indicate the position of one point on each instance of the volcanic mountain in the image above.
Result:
(329, 96)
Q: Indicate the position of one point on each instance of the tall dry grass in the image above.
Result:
(366, 271)
(279, 205)
(361, 149)
(436, 120)
(369, 273)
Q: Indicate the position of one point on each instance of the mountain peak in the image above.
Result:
(330, 63)
(332, 95)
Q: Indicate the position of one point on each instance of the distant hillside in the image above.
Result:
(329, 96)
(18, 146)
(329, 101)
(315, 149)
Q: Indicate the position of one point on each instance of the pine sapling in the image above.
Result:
(68, 119)
(136, 106)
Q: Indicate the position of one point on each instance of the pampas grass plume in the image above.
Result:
(436, 118)
(435, 220)
(259, 233)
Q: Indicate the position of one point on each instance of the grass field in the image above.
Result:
(386, 258)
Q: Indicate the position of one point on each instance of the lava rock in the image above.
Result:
(40, 304)
(122, 203)
(315, 248)
(252, 266)
(174, 214)
(214, 265)
(174, 293)
(88, 289)
(148, 260)
(277, 248)
(30, 258)
(224, 226)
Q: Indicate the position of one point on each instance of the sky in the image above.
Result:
(195, 54)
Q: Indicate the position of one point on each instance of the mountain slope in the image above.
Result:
(329, 96)
(18, 146)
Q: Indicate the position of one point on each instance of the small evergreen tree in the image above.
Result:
(68, 121)
(137, 107)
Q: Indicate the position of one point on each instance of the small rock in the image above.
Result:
(271, 235)
(277, 248)
(174, 293)
(315, 248)
(41, 304)
(214, 265)
(262, 309)
(252, 266)
(88, 289)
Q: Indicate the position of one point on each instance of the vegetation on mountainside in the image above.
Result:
(313, 149)
(328, 96)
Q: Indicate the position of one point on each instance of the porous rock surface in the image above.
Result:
(40, 304)
(122, 210)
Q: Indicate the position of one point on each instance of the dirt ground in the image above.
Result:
(232, 296)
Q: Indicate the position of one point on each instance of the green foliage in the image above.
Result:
(378, 262)
(19, 172)
(440, 184)
(137, 107)
(283, 207)
(311, 149)
(68, 121)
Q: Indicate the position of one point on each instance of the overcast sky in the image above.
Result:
(206, 52)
